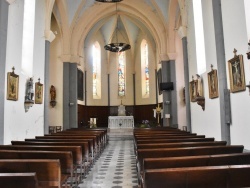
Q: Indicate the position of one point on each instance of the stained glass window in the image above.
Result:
(96, 62)
(121, 74)
(146, 67)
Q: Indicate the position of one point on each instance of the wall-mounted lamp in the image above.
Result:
(28, 102)
(248, 51)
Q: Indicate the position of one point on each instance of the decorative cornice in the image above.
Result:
(49, 35)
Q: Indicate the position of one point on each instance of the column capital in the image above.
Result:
(164, 57)
(172, 56)
(10, 1)
(72, 59)
(49, 35)
(182, 31)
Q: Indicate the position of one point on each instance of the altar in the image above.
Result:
(116, 122)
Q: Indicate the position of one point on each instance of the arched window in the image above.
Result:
(96, 55)
(121, 74)
(144, 69)
(199, 37)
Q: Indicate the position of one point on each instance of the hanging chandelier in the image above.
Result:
(109, 1)
(116, 46)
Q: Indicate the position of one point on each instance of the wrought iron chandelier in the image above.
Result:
(116, 46)
(109, 1)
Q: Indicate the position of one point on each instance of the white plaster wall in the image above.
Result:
(180, 84)
(205, 122)
(247, 12)
(235, 36)
(18, 124)
(56, 77)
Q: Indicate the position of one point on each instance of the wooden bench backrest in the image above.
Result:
(206, 177)
(193, 161)
(48, 171)
(169, 137)
(188, 151)
(149, 141)
(65, 157)
(19, 180)
(180, 144)
(76, 150)
(84, 145)
(89, 141)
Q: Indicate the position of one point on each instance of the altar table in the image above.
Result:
(116, 122)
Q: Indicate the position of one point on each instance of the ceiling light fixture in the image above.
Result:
(117, 46)
(109, 1)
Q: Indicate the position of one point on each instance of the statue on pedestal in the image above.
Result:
(121, 110)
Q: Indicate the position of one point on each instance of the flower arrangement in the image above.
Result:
(145, 124)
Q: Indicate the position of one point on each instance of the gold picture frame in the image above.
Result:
(38, 92)
(237, 74)
(193, 90)
(12, 85)
(213, 84)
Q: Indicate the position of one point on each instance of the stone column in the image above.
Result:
(4, 12)
(69, 95)
(183, 34)
(169, 97)
(222, 76)
(49, 37)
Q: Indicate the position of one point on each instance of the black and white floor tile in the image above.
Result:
(116, 167)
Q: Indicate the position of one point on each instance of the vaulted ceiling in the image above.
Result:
(80, 20)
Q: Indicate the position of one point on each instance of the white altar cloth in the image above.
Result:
(116, 122)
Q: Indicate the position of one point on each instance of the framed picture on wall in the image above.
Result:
(38, 92)
(213, 84)
(193, 90)
(12, 85)
(159, 80)
(237, 74)
(80, 91)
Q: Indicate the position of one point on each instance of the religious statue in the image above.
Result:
(121, 110)
(52, 96)
(30, 90)
(52, 93)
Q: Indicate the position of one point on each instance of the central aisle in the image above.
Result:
(116, 168)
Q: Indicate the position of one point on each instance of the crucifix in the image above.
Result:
(158, 112)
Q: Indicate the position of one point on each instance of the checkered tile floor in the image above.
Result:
(116, 168)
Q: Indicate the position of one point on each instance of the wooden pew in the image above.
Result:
(188, 151)
(65, 139)
(86, 161)
(205, 177)
(65, 157)
(90, 139)
(19, 180)
(194, 161)
(180, 144)
(84, 145)
(99, 136)
(149, 141)
(76, 153)
(40, 166)
(168, 137)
